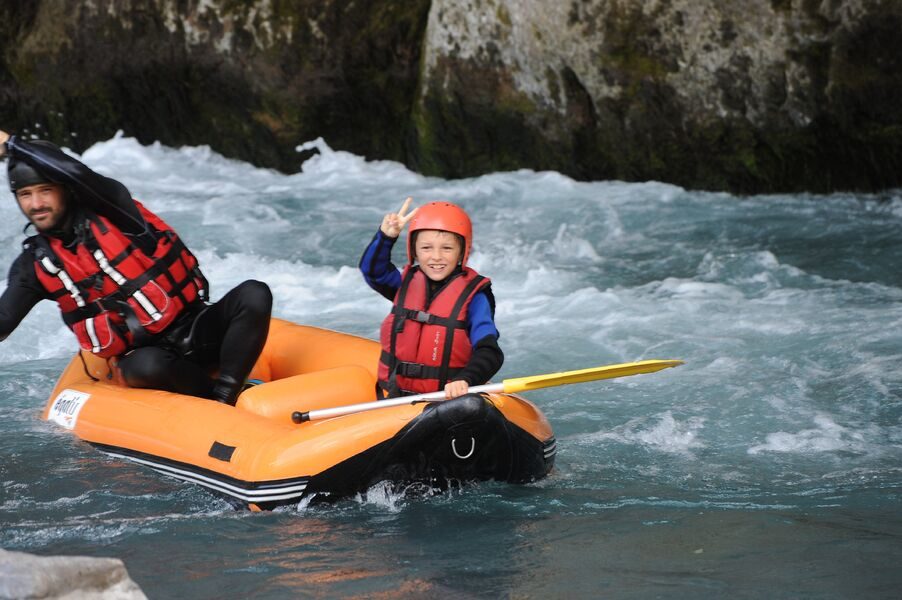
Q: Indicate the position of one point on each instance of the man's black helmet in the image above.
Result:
(21, 174)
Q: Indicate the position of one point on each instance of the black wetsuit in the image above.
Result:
(228, 334)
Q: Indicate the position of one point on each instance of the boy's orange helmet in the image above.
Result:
(442, 216)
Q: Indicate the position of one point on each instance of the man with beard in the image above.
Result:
(125, 283)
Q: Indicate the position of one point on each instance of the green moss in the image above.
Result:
(781, 5)
(462, 133)
(502, 15)
(515, 101)
(426, 151)
(628, 44)
(634, 63)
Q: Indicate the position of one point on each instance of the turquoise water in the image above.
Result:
(769, 465)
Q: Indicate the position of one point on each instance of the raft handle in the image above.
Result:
(468, 454)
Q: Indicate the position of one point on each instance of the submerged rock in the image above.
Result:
(25, 575)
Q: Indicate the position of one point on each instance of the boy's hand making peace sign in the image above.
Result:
(393, 223)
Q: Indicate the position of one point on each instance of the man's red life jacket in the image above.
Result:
(112, 295)
(424, 344)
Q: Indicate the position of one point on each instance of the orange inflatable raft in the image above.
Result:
(254, 454)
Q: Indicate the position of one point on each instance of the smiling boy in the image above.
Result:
(440, 333)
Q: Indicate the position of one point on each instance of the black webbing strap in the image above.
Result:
(192, 274)
(391, 384)
(445, 370)
(412, 369)
(140, 337)
(90, 310)
(398, 324)
(41, 249)
(160, 266)
(421, 316)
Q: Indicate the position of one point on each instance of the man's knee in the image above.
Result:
(147, 367)
(255, 297)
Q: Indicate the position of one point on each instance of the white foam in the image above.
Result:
(384, 495)
(826, 436)
(662, 433)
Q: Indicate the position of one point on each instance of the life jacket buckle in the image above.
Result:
(422, 316)
(410, 369)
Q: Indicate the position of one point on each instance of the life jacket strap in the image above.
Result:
(446, 373)
(140, 337)
(91, 310)
(421, 316)
(148, 306)
(412, 369)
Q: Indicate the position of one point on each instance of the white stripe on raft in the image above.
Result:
(270, 494)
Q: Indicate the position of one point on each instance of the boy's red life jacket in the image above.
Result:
(111, 294)
(425, 344)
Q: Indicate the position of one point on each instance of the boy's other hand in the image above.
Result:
(453, 389)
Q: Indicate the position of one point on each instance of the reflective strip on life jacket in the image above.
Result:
(92, 335)
(65, 279)
(116, 276)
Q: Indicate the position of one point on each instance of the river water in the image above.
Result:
(769, 465)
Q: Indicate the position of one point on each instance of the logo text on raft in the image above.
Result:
(66, 407)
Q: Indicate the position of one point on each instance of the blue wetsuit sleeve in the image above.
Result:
(480, 320)
(377, 268)
(487, 356)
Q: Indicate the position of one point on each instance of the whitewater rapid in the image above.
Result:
(786, 314)
(766, 461)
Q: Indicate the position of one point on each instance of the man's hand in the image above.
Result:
(3, 137)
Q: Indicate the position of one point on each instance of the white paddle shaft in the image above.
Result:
(326, 413)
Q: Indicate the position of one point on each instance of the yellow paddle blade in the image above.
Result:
(535, 382)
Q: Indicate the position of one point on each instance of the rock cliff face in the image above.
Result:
(747, 95)
(250, 78)
(743, 95)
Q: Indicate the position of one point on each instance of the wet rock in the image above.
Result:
(25, 575)
(741, 95)
(745, 95)
(250, 79)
